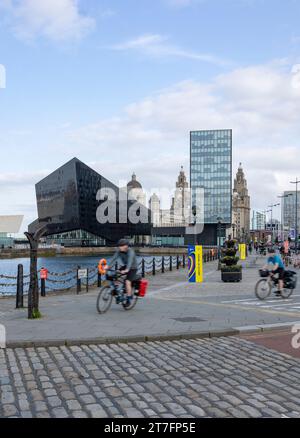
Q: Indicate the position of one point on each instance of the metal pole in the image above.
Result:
(296, 228)
(99, 279)
(43, 287)
(78, 282)
(163, 265)
(143, 267)
(20, 288)
(296, 215)
(87, 281)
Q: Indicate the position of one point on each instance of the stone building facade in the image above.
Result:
(241, 207)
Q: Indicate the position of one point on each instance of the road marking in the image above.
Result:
(272, 304)
(231, 306)
(168, 288)
(281, 305)
(236, 301)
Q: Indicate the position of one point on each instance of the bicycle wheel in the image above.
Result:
(132, 305)
(263, 289)
(286, 293)
(104, 299)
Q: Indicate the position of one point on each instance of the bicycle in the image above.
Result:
(269, 284)
(116, 290)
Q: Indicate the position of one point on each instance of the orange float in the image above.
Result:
(102, 266)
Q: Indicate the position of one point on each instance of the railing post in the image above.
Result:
(20, 288)
(143, 267)
(163, 265)
(171, 263)
(78, 281)
(99, 279)
(153, 270)
(43, 287)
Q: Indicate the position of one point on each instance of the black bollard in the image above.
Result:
(143, 268)
(177, 262)
(87, 281)
(171, 263)
(183, 260)
(43, 287)
(153, 268)
(20, 288)
(78, 282)
(163, 265)
(99, 279)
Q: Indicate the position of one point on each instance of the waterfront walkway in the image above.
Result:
(172, 309)
(248, 375)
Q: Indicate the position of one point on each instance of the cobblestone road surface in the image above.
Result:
(225, 377)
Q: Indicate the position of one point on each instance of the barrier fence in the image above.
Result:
(83, 278)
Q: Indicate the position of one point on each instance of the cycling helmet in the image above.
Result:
(123, 242)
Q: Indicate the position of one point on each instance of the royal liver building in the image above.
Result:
(241, 207)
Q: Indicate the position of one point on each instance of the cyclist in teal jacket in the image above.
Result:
(276, 261)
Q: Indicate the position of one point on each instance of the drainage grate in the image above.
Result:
(189, 319)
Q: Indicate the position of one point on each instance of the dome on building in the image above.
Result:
(155, 198)
(134, 184)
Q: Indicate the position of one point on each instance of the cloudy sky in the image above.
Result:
(120, 83)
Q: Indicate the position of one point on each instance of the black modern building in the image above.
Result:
(68, 201)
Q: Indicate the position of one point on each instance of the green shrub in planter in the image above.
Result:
(231, 271)
(230, 260)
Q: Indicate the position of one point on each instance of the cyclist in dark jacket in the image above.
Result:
(127, 258)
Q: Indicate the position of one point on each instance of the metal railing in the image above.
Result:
(71, 280)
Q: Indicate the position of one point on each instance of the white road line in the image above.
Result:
(168, 288)
(282, 305)
(253, 300)
(239, 301)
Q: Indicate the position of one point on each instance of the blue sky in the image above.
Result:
(120, 83)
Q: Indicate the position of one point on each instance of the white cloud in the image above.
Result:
(151, 137)
(57, 20)
(20, 179)
(156, 45)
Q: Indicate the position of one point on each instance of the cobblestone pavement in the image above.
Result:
(224, 377)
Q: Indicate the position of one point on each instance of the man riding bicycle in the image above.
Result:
(276, 261)
(127, 257)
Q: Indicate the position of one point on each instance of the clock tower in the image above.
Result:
(241, 206)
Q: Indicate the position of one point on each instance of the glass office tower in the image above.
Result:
(289, 210)
(211, 170)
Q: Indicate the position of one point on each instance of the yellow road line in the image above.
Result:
(231, 306)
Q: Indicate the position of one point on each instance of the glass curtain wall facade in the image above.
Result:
(76, 238)
(211, 170)
(289, 210)
(67, 201)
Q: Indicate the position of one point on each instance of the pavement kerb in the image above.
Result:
(152, 338)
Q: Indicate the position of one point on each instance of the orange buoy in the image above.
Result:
(102, 266)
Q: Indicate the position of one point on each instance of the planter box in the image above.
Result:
(232, 277)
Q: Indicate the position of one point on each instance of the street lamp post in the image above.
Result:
(271, 207)
(219, 219)
(296, 214)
